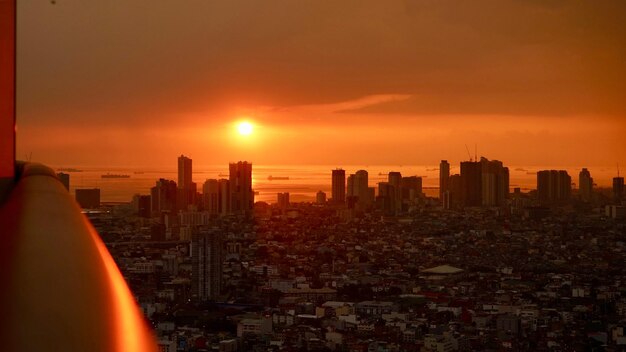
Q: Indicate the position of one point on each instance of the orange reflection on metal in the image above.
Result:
(131, 332)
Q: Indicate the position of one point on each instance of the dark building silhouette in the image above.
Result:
(585, 185)
(618, 188)
(444, 181)
(320, 197)
(240, 183)
(144, 206)
(411, 188)
(283, 200)
(164, 196)
(386, 199)
(88, 198)
(454, 192)
(338, 192)
(553, 186)
(471, 184)
(207, 256)
(186, 188)
(211, 197)
(65, 179)
(394, 178)
(494, 183)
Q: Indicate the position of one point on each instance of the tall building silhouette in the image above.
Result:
(88, 198)
(411, 188)
(164, 196)
(211, 196)
(338, 192)
(225, 196)
(471, 183)
(494, 182)
(444, 180)
(553, 186)
(585, 185)
(186, 187)
(320, 197)
(394, 178)
(618, 189)
(207, 255)
(242, 195)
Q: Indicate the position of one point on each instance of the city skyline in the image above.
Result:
(423, 78)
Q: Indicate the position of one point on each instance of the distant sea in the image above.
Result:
(303, 183)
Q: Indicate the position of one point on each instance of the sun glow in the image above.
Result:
(245, 128)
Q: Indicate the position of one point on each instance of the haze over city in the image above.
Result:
(122, 83)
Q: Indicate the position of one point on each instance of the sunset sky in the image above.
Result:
(138, 82)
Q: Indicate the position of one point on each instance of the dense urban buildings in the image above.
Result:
(481, 269)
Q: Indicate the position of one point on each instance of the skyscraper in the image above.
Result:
(211, 197)
(394, 178)
(338, 186)
(186, 188)
(361, 187)
(282, 199)
(444, 179)
(553, 186)
(471, 183)
(494, 182)
(585, 185)
(242, 195)
(207, 263)
(163, 196)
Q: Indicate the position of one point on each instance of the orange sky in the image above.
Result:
(124, 82)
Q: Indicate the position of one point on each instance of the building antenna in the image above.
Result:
(468, 152)
(475, 152)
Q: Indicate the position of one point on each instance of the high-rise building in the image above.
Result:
(242, 195)
(320, 197)
(494, 183)
(361, 187)
(88, 198)
(65, 179)
(338, 186)
(585, 185)
(444, 179)
(453, 198)
(164, 196)
(394, 178)
(225, 196)
(411, 188)
(350, 191)
(207, 257)
(618, 189)
(386, 199)
(471, 184)
(283, 200)
(211, 196)
(553, 186)
(186, 187)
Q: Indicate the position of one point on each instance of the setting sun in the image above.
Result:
(245, 128)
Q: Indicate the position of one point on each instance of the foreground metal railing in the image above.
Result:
(61, 289)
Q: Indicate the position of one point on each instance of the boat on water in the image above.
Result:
(114, 176)
(69, 169)
(272, 178)
(138, 172)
